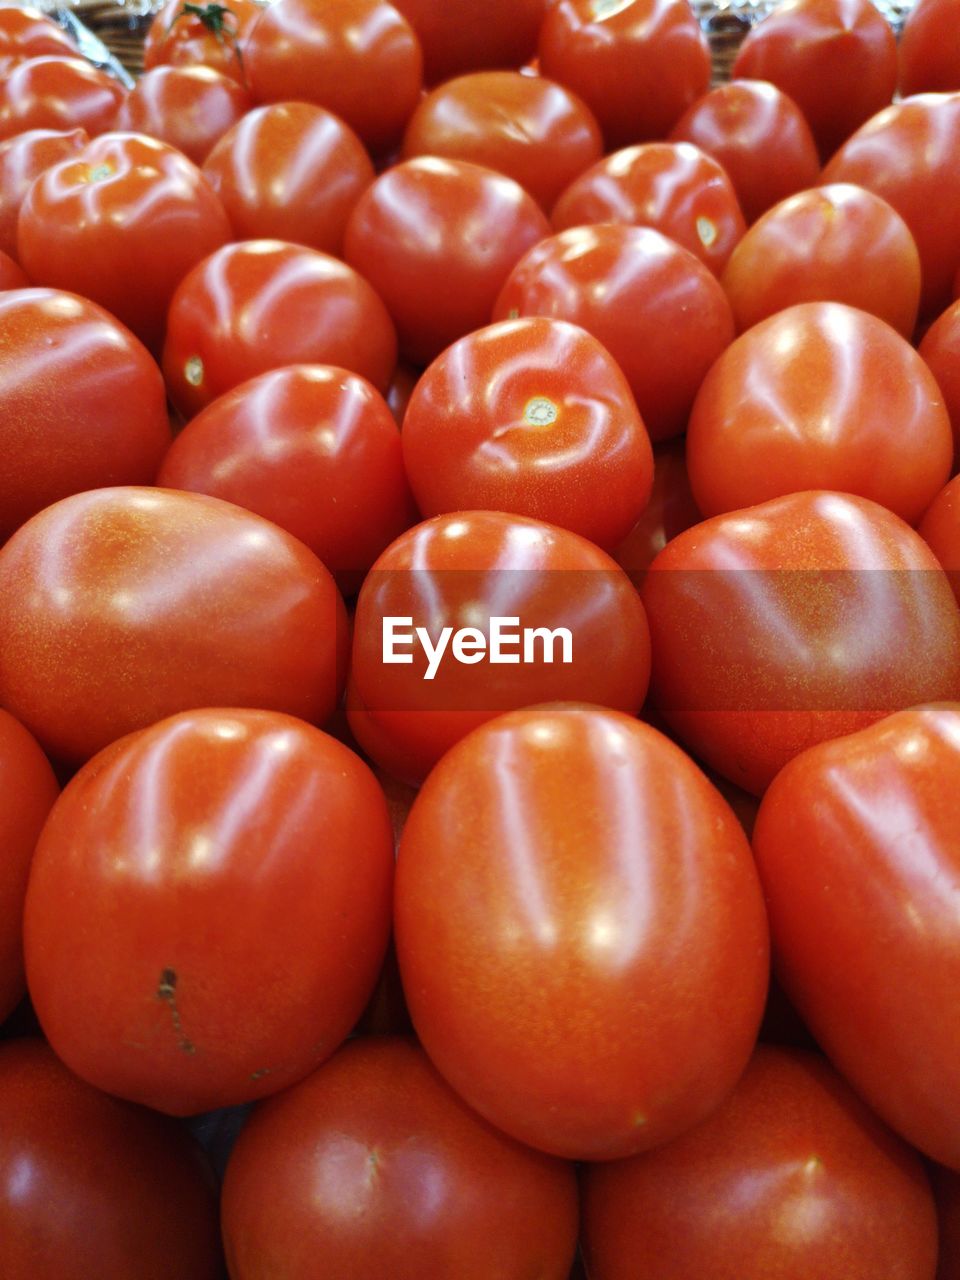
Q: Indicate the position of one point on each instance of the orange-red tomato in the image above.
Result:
(189, 108)
(212, 37)
(940, 349)
(27, 33)
(930, 48)
(58, 93)
(22, 159)
(473, 34)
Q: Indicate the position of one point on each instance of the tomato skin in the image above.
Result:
(929, 48)
(58, 93)
(91, 1186)
(673, 187)
(473, 34)
(940, 349)
(124, 208)
(472, 440)
(597, 873)
(432, 1189)
(263, 304)
(180, 39)
(120, 606)
(819, 396)
(290, 171)
(656, 308)
(189, 108)
(790, 623)
(22, 159)
(670, 510)
(940, 530)
(792, 1177)
(27, 33)
(638, 64)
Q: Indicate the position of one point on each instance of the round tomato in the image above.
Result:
(375, 1165)
(22, 159)
(263, 304)
(58, 93)
(669, 511)
(473, 34)
(189, 108)
(210, 35)
(930, 48)
(940, 350)
(28, 33)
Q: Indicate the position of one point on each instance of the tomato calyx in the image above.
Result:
(222, 23)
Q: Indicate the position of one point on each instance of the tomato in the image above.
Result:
(930, 48)
(837, 59)
(12, 275)
(290, 171)
(208, 34)
(437, 239)
(940, 530)
(22, 159)
(58, 93)
(376, 1166)
(533, 130)
(121, 223)
(28, 33)
(123, 605)
(820, 396)
(473, 34)
(90, 1186)
(580, 931)
(82, 403)
(795, 621)
(792, 1177)
(189, 108)
(314, 449)
(940, 350)
(865, 932)
(907, 154)
(671, 186)
(656, 308)
(358, 58)
(837, 243)
(262, 304)
(533, 417)
(669, 511)
(759, 136)
(638, 64)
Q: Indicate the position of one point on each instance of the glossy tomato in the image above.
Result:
(189, 108)
(580, 931)
(374, 1164)
(27, 33)
(473, 34)
(669, 511)
(940, 349)
(22, 159)
(58, 93)
(930, 48)
(534, 417)
(210, 35)
(123, 605)
(262, 304)
(656, 308)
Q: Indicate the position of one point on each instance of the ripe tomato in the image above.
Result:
(473, 34)
(671, 186)
(536, 132)
(930, 48)
(12, 275)
(940, 530)
(793, 622)
(792, 1177)
(759, 136)
(314, 449)
(123, 605)
(22, 159)
(461, 571)
(263, 304)
(865, 932)
(210, 35)
(533, 417)
(358, 58)
(126, 208)
(670, 510)
(82, 403)
(837, 243)
(655, 307)
(940, 349)
(90, 1186)
(28, 33)
(437, 239)
(580, 931)
(290, 171)
(374, 1164)
(189, 108)
(638, 64)
(820, 396)
(58, 93)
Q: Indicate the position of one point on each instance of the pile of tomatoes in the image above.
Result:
(479, 577)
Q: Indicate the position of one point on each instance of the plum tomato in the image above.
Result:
(473, 35)
(189, 108)
(209, 35)
(669, 511)
(22, 159)
(940, 350)
(930, 48)
(60, 93)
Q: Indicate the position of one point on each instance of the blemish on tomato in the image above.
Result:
(167, 992)
(193, 371)
(707, 231)
(540, 412)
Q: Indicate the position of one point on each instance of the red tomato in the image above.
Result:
(262, 304)
(314, 449)
(90, 1186)
(12, 276)
(670, 510)
(123, 605)
(793, 622)
(940, 349)
(374, 1165)
(671, 186)
(121, 222)
(865, 930)
(533, 130)
(473, 34)
(437, 239)
(358, 58)
(907, 154)
(28, 33)
(189, 108)
(837, 59)
(532, 417)
(792, 1178)
(22, 159)
(655, 307)
(254, 820)
(930, 47)
(459, 572)
(58, 93)
(208, 34)
(759, 136)
(940, 530)
(837, 243)
(580, 931)
(638, 64)
(82, 403)
(290, 171)
(820, 396)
